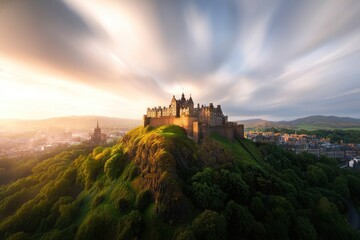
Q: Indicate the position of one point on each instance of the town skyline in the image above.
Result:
(278, 60)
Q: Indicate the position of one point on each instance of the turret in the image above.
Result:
(183, 97)
(190, 100)
(190, 103)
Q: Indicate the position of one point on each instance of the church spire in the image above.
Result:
(97, 123)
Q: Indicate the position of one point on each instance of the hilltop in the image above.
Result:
(156, 183)
(307, 123)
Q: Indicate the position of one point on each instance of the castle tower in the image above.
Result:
(173, 107)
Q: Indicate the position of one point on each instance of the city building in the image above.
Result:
(307, 143)
(354, 163)
(98, 137)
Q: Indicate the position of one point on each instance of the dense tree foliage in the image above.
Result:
(158, 184)
(348, 136)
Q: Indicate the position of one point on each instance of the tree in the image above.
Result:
(242, 224)
(232, 184)
(303, 230)
(316, 176)
(209, 225)
(185, 234)
(208, 196)
(257, 207)
(341, 187)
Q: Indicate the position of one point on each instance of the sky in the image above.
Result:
(271, 59)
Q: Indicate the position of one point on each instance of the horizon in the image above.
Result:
(140, 119)
(278, 60)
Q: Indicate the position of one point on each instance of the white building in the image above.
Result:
(354, 162)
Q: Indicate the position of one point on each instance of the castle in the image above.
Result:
(198, 121)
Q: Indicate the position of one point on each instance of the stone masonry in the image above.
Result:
(198, 121)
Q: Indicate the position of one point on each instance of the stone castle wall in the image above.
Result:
(229, 131)
(196, 130)
(185, 122)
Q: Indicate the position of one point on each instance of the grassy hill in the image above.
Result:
(307, 123)
(158, 184)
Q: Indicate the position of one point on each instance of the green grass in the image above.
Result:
(250, 146)
(154, 227)
(249, 155)
(356, 129)
(310, 127)
(171, 131)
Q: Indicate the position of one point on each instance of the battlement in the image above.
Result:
(198, 121)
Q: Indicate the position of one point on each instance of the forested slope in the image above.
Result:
(158, 184)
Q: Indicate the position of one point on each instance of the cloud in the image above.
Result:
(281, 58)
(53, 38)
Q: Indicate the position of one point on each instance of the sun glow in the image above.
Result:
(25, 93)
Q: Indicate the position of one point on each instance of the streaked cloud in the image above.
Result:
(280, 59)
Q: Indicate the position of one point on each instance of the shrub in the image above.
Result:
(115, 165)
(95, 226)
(122, 204)
(19, 236)
(132, 226)
(143, 199)
(97, 200)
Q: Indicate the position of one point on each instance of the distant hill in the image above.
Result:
(307, 123)
(70, 122)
